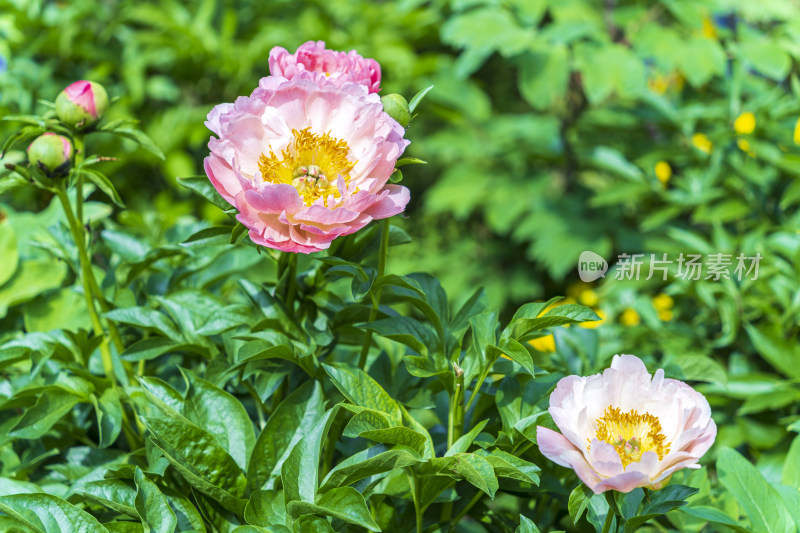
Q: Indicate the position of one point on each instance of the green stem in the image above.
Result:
(291, 291)
(85, 272)
(612, 510)
(455, 418)
(416, 495)
(376, 299)
(475, 499)
(80, 154)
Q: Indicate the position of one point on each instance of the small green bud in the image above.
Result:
(82, 104)
(397, 107)
(51, 153)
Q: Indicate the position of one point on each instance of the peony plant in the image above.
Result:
(187, 383)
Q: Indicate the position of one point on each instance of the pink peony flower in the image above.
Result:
(621, 429)
(305, 161)
(313, 60)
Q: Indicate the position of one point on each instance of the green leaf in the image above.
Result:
(465, 441)
(759, 500)
(142, 139)
(414, 102)
(152, 506)
(712, 514)
(109, 416)
(204, 464)
(344, 503)
(222, 415)
(578, 502)
(516, 351)
(145, 317)
(115, 494)
(300, 471)
(510, 466)
(526, 525)
(776, 349)
(360, 389)
(48, 409)
(660, 502)
(312, 524)
(31, 278)
(124, 527)
(45, 513)
(265, 508)
(405, 330)
(8, 251)
(768, 57)
(543, 77)
(557, 316)
(294, 418)
(104, 184)
(201, 185)
(189, 518)
(370, 462)
(213, 236)
(468, 466)
(790, 475)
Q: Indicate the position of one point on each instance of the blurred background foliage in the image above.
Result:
(554, 127)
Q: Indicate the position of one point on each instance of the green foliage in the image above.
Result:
(231, 400)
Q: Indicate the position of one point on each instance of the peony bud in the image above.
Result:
(397, 107)
(82, 104)
(51, 153)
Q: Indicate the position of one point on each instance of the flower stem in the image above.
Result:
(455, 418)
(85, 273)
(93, 286)
(612, 510)
(376, 299)
(475, 499)
(416, 495)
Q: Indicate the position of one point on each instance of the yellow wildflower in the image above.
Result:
(702, 143)
(663, 172)
(544, 344)
(744, 146)
(663, 304)
(745, 123)
(709, 30)
(629, 317)
(588, 298)
(797, 132)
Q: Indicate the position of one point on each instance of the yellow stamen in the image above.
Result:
(631, 434)
(312, 163)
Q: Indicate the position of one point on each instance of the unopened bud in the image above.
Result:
(397, 107)
(82, 104)
(51, 153)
